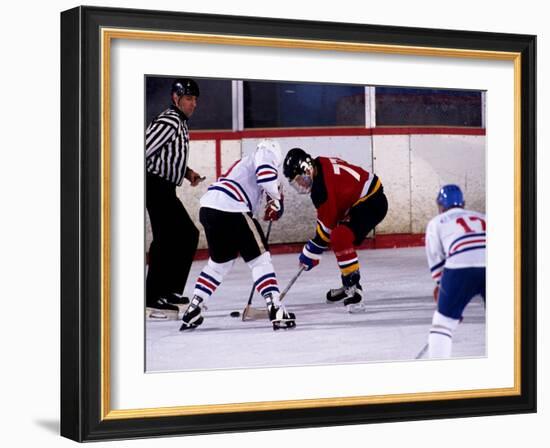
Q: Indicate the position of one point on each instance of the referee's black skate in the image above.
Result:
(178, 300)
(192, 317)
(161, 310)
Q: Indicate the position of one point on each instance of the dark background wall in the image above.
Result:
(214, 103)
(280, 104)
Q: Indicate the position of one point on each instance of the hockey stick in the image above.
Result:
(292, 281)
(248, 308)
(255, 313)
(424, 349)
(422, 352)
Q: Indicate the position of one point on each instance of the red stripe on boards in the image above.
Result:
(332, 132)
(390, 241)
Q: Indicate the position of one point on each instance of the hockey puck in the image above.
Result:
(235, 314)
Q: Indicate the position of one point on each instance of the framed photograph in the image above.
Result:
(203, 292)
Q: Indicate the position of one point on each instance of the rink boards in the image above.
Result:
(412, 164)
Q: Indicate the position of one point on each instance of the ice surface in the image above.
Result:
(399, 308)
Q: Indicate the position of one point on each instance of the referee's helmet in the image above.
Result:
(185, 86)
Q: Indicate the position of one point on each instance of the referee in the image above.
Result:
(175, 236)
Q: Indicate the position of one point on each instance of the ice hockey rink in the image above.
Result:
(394, 327)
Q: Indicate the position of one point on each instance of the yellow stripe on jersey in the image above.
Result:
(349, 269)
(374, 190)
(322, 234)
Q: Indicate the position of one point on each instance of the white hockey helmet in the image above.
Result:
(271, 146)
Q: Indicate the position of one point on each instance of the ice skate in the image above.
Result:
(336, 295)
(178, 300)
(354, 299)
(192, 317)
(351, 297)
(161, 310)
(281, 318)
(278, 315)
(350, 294)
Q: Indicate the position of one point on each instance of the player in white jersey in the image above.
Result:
(227, 215)
(455, 248)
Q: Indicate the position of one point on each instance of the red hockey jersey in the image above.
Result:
(338, 186)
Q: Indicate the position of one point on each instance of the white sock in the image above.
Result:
(263, 275)
(440, 340)
(210, 278)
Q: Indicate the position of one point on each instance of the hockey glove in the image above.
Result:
(274, 208)
(311, 255)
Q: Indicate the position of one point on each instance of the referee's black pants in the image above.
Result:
(175, 239)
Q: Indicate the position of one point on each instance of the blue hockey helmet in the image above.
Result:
(450, 196)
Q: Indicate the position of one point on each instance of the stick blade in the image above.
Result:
(251, 313)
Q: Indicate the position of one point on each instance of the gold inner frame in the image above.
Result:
(107, 35)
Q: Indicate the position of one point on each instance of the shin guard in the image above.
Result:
(263, 275)
(342, 245)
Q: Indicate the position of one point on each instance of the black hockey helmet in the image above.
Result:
(296, 162)
(185, 86)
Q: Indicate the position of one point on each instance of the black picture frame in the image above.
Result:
(83, 407)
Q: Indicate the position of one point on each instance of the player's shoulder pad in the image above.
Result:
(265, 155)
(432, 223)
(321, 160)
(475, 212)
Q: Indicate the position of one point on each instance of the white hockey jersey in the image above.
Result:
(455, 239)
(240, 189)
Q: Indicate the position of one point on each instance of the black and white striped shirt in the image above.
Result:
(167, 145)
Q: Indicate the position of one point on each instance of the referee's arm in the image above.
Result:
(158, 134)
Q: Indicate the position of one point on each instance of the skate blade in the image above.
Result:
(356, 308)
(192, 326)
(284, 325)
(155, 314)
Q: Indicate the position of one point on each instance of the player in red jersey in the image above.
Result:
(350, 202)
